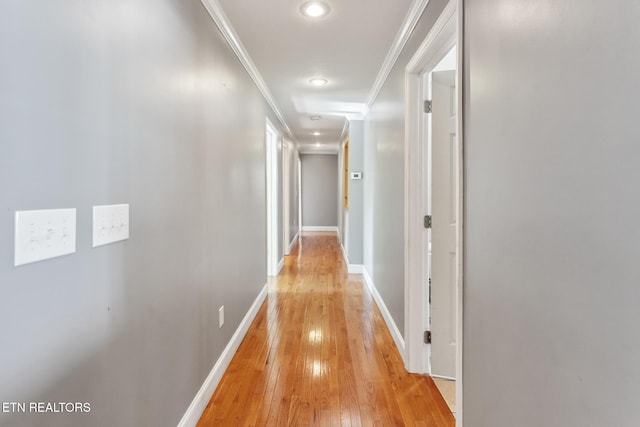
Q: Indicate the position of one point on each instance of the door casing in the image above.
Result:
(286, 192)
(446, 33)
(442, 165)
(271, 145)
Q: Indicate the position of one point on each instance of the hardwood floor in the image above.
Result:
(319, 354)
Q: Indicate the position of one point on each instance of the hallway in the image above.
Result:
(319, 353)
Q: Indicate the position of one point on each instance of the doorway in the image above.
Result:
(299, 195)
(272, 198)
(442, 170)
(286, 193)
(441, 248)
(433, 210)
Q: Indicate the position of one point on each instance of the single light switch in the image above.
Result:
(110, 224)
(44, 234)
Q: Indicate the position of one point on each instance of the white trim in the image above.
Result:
(356, 268)
(280, 265)
(344, 134)
(391, 325)
(460, 237)
(223, 23)
(442, 377)
(319, 228)
(446, 32)
(351, 268)
(408, 25)
(199, 403)
(293, 242)
(344, 253)
(271, 202)
(438, 42)
(414, 205)
(331, 149)
(299, 192)
(286, 194)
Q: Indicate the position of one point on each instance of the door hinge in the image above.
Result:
(427, 221)
(427, 337)
(427, 106)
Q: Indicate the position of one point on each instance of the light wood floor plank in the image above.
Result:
(319, 354)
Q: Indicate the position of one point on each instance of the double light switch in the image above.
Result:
(50, 233)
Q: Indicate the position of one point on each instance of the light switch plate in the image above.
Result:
(110, 224)
(44, 234)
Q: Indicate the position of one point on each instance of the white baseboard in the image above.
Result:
(319, 228)
(344, 254)
(352, 268)
(356, 269)
(294, 241)
(199, 403)
(280, 265)
(391, 324)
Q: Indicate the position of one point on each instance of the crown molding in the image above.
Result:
(230, 35)
(408, 25)
(333, 148)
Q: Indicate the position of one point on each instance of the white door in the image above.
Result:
(299, 195)
(286, 191)
(272, 200)
(444, 172)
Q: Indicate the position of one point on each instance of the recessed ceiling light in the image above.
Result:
(318, 82)
(316, 117)
(316, 133)
(314, 9)
(317, 144)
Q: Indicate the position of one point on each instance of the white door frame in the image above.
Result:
(446, 33)
(271, 144)
(299, 177)
(286, 192)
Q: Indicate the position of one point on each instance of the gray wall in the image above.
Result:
(356, 192)
(126, 102)
(552, 295)
(384, 178)
(319, 190)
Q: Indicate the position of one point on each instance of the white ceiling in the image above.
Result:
(348, 47)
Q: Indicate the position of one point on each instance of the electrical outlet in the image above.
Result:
(110, 224)
(44, 234)
(221, 316)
